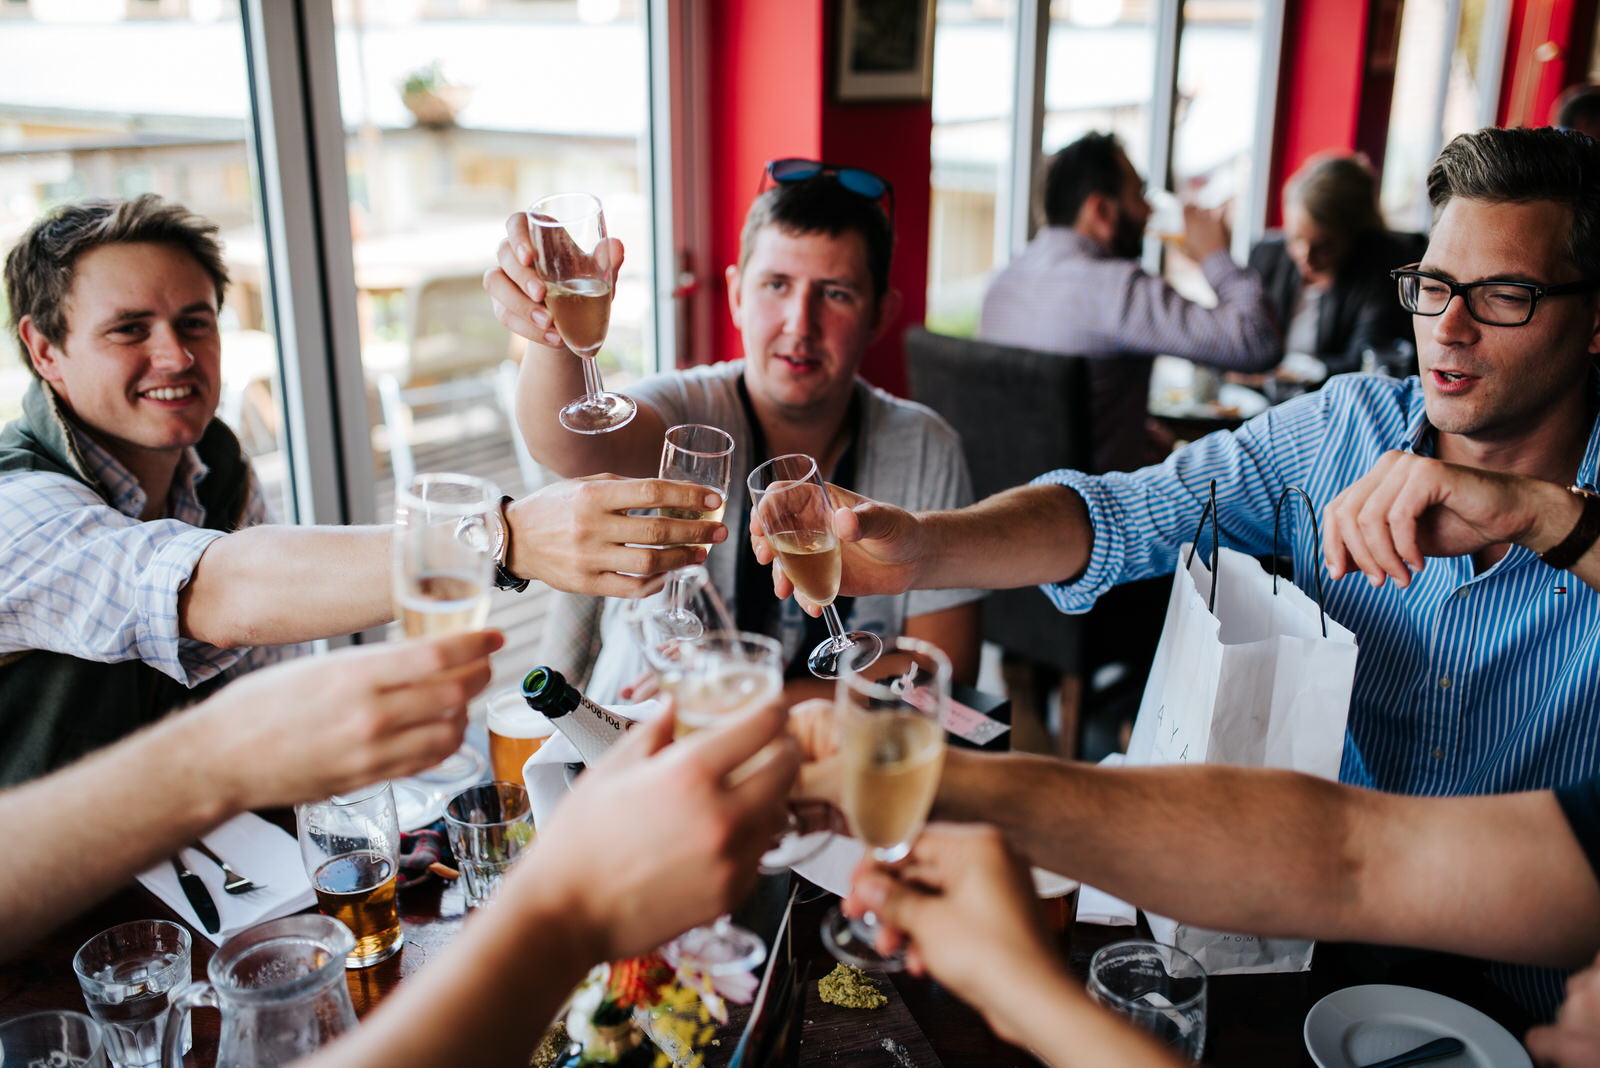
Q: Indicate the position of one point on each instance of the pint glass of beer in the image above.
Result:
(351, 847)
(515, 733)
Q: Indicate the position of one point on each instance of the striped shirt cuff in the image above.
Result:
(156, 593)
(1104, 568)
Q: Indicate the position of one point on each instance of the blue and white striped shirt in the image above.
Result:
(81, 577)
(1466, 683)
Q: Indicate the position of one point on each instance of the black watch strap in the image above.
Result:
(1583, 535)
(504, 578)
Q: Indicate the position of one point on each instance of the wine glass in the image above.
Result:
(890, 724)
(674, 656)
(693, 452)
(443, 558)
(571, 259)
(789, 498)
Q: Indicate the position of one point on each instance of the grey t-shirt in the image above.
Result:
(908, 456)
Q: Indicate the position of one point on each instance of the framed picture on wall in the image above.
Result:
(885, 50)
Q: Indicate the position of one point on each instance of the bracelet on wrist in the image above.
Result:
(1584, 533)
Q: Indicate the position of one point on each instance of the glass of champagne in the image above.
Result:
(711, 679)
(693, 452)
(351, 847)
(572, 259)
(787, 495)
(443, 553)
(891, 723)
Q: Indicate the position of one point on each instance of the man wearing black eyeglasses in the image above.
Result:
(809, 294)
(1480, 672)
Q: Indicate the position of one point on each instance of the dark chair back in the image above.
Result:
(1020, 413)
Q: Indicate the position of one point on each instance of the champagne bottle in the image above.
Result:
(591, 729)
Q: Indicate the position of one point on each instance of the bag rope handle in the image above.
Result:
(1316, 539)
(1209, 510)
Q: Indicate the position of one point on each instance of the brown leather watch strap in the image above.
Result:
(1583, 536)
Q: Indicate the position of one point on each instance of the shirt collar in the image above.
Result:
(1072, 242)
(1420, 437)
(127, 496)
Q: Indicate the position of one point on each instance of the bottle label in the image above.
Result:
(591, 729)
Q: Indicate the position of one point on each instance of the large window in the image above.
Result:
(1446, 82)
(92, 103)
(456, 116)
(1107, 65)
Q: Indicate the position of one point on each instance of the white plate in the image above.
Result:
(1362, 1024)
(1233, 402)
(415, 805)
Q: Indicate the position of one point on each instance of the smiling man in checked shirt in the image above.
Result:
(137, 565)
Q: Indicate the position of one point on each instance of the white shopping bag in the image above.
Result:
(1253, 682)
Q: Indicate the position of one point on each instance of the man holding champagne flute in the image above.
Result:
(138, 566)
(809, 294)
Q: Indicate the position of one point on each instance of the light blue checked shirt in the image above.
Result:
(1465, 683)
(80, 577)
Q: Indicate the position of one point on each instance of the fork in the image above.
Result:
(235, 883)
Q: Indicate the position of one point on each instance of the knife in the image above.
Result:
(1428, 1051)
(199, 898)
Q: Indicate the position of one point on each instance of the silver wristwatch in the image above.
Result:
(500, 533)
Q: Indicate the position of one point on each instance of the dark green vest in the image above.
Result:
(55, 708)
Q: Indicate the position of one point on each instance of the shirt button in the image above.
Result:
(1444, 682)
(1438, 754)
(1461, 594)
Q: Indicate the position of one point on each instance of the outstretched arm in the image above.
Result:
(1020, 537)
(654, 839)
(286, 734)
(1278, 853)
(271, 585)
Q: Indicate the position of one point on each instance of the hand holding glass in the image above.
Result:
(443, 555)
(891, 724)
(791, 503)
(692, 452)
(571, 259)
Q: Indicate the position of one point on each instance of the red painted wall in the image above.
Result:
(1547, 49)
(772, 97)
(1320, 85)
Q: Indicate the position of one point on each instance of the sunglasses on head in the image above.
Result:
(860, 182)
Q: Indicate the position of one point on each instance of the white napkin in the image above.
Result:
(831, 868)
(256, 849)
(1097, 906)
(545, 773)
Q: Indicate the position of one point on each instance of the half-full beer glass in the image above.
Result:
(351, 847)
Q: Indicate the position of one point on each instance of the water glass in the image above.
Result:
(128, 974)
(351, 847)
(1160, 988)
(489, 824)
(56, 1039)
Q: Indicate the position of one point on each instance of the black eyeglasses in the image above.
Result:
(1491, 303)
(861, 182)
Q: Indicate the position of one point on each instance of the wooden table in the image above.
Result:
(1252, 1020)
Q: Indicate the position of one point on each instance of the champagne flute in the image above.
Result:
(568, 232)
(788, 496)
(891, 725)
(693, 452)
(443, 565)
(443, 558)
